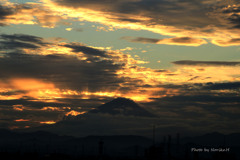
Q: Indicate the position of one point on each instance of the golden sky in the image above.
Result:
(65, 57)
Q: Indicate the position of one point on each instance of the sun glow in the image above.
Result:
(30, 84)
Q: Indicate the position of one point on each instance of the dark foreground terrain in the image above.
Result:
(47, 146)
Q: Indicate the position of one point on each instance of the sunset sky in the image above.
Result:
(177, 58)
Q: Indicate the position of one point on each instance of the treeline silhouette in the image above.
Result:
(47, 146)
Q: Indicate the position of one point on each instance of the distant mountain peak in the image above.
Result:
(122, 106)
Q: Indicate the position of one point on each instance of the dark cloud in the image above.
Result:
(23, 37)
(65, 71)
(231, 10)
(220, 86)
(4, 11)
(183, 39)
(198, 108)
(20, 41)
(211, 20)
(169, 41)
(235, 40)
(206, 63)
(86, 50)
(202, 95)
(193, 113)
(232, 14)
(159, 12)
(35, 111)
(177, 18)
(10, 45)
(8, 93)
(203, 98)
(141, 39)
(28, 102)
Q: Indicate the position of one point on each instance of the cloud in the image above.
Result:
(226, 43)
(28, 73)
(203, 98)
(221, 86)
(167, 12)
(23, 37)
(28, 13)
(86, 50)
(4, 12)
(141, 39)
(38, 82)
(76, 69)
(206, 63)
(199, 19)
(67, 70)
(183, 111)
(61, 69)
(190, 23)
(231, 13)
(17, 41)
(184, 41)
(232, 110)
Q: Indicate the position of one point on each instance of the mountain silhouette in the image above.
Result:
(122, 106)
(127, 118)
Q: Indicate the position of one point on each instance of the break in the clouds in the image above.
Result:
(207, 63)
(182, 41)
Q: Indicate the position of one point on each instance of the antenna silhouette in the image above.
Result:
(154, 130)
(100, 149)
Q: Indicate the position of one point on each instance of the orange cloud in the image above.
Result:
(54, 108)
(18, 107)
(31, 87)
(74, 113)
(31, 13)
(227, 43)
(47, 122)
(21, 120)
(30, 84)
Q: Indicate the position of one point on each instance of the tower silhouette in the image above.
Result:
(169, 146)
(100, 149)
